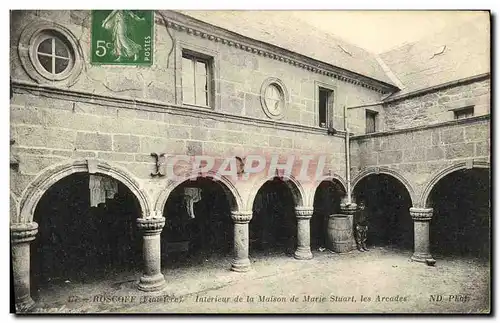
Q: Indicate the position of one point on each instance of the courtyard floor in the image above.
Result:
(380, 281)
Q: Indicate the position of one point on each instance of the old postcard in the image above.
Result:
(169, 161)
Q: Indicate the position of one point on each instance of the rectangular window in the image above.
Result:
(195, 80)
(464, 113)
(325, 106)
(371, 121)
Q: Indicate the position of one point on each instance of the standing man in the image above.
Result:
(361, 226)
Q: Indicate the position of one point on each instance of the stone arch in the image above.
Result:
(423, 201)
(299, 194)
(383, 170)
(51, 175)
(228, 187)
(331, 178)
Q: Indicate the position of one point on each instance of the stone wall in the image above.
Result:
(50, 130)
(122, 114)
(435, 107)
(418, 154)
(240, 73)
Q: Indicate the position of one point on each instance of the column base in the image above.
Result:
(422, 257)
(303, 254)
(241, 265)
(152, 283)
(25, 305)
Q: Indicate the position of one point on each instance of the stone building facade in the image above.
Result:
(116, 121)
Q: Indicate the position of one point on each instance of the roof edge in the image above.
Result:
(389, 72)
(215, 33)
(426, 90)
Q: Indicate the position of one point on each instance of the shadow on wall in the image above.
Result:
(461, 222)
(387, 204)
(77, 242)
(273, 226)
(326, 202)
(195, 232)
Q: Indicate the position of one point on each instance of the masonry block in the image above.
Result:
(180, 132)
(369, 159)
(126, 143)
(31, 164)
(454, 151)
(93, 141)
(194, 148)
(162, 145)
(420, 139)
(274, 141)
(199, 134)
(83, 154)
(390, 157)
(482, 148)
(477, 132)
(434, 153)
(43, 137)
(232, 105)
(115, 156)
(452, 135)
(414, 154)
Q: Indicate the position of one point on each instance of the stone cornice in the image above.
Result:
(398, 97)
(424, 127)
(241, 216)
(189, 25)
(419, 214)
(151, 226)
(23, 232)
(162, 107)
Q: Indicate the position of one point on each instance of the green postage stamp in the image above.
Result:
(122, 37)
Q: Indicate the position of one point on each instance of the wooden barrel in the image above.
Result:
(339, 233)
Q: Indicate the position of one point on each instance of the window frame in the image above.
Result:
(374, 114)
(463, 111)
(43, 36)
(330, 109)
(197, 59)
(285, 96)
(30, 39)
(211, 58)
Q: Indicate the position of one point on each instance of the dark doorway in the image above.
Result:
(387, 205)
(79, 243)
(187, 240)
(326, 202)
(273, 226)
(461, 220)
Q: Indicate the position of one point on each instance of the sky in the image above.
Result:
(379, 31)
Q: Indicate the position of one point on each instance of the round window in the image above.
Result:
(50, 52)
(53, 57)
(274, 98)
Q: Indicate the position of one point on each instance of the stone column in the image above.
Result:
(241, 263)
(303, 215)
(21, 235)
(421, 221)
(350, 210)
(152, 278)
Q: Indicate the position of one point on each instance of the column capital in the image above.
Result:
(304, 212)
(421, 214)
(23, 232)
(348, 209)
(151, 226)
(241, 216)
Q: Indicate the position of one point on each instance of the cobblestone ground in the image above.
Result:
(380, 281)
